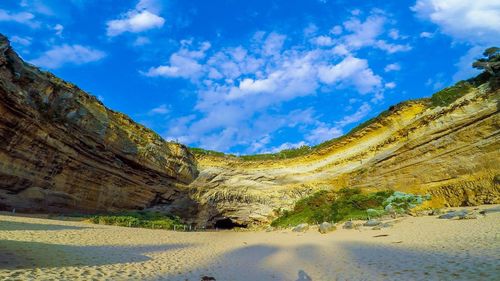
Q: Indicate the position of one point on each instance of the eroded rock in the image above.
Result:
(62, 150)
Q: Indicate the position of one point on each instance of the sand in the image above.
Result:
(415, 248)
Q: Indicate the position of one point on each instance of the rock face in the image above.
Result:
(62, 150)
(449, 152)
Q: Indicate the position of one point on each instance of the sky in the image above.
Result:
(248, 77)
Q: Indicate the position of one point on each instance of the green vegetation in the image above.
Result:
(347, 203)
(201, 151)
(490, 64)
(400, 202)
(299, 151)
(331, 206)
(283, 154)
(451, 94)
(145, 219)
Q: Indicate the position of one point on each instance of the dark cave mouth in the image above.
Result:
(227, 223)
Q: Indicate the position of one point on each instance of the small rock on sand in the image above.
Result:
(348, 225)
(490, 210)
(372, 223)
(301, 227)
(461, 214)
(326, 227)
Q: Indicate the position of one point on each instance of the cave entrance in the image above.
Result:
(227, 223)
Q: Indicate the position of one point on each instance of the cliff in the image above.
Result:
(63, 150)
(451, 152)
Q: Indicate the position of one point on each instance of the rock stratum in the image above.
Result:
(450, 152)
(63, 150)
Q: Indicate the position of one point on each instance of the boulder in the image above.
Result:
(303, 227)
(454, 214)
(348, 225)
(372, 223)
(326, 227)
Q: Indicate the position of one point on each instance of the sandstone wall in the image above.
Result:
(62, 150)
(450, 152)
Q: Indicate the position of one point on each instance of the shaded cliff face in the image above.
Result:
(62, 150)
(451, 152)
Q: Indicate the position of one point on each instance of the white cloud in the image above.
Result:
(182, 64)
(477, 22)
(68, 54)
(336, 30)
(59, 29)
(322, 41)
(141, 41)
(362, 111)
(23, 41)
(464, 64)
(134, 22)
(160, 110)
(426, 34)
(392, 48)
(365, 33)
(390, 85)
(394, 34)
(22, 18)
(392, 67)
(143, 17)
(242, 90)
(351, 72)
(244, 84)
(323, 133)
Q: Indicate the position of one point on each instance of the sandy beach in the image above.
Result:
(415, 248)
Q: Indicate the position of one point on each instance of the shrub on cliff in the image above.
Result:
(451, 94)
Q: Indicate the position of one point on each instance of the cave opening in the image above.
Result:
(227, 223)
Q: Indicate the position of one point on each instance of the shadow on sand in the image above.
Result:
(13, 225)
(253, 262)
(25, 255)
(389, 262)
(353, 261)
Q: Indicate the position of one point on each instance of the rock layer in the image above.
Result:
(450, 152)
(63, 150)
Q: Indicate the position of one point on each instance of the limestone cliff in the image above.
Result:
(63, 150)
(451, 152)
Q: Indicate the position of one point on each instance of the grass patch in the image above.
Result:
(201, 151)
(442, 98)
(347, 203)
(144, 219)
(305, 149)
(451, 94)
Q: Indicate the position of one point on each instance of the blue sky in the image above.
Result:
(253, 76)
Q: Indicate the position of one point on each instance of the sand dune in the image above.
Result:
(421, 248)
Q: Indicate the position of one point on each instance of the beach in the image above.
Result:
(414, 248)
